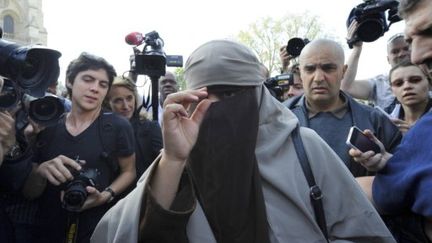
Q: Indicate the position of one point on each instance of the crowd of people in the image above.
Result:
(226, 161)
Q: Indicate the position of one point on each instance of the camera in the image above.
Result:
(151, 61)
(33, 68)
(75, 193)
(278, 84)
(44, 111)
(27, 72)
(295, 46)
(371, 18)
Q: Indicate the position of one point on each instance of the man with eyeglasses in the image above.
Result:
(375, 89)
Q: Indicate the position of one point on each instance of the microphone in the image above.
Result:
(134, 38)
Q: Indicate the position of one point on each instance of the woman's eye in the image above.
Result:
(228, 94)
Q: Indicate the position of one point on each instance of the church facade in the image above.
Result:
(22, 21)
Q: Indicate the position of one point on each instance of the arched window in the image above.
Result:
(8, 24)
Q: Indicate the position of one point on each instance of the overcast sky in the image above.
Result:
(100, 26)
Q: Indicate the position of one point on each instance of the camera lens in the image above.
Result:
(75, 195)
(370, 29)
(295, 46)
(75, 191)
(45, 110)
(75, 198)
(30, 68)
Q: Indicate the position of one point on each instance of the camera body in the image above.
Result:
(75, 193)
(371, 18)
(278, 84)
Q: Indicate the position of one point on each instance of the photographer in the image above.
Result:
(7, 130)
(84, 160)
(296, 88)
(7, 133)
(7, 138)
(376, 89)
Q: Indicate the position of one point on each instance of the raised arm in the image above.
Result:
(285, 58)
(179, 136)
(360, 89)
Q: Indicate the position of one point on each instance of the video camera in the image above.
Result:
(295, 46)
(27, 72)
(151, 61)
(371, 18)
(278, 84)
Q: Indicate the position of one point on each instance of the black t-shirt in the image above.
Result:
(87, 146)
(148, 143)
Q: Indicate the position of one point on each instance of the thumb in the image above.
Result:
(371, 136)
(91, 190)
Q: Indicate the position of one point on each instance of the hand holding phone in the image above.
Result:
(358, 140)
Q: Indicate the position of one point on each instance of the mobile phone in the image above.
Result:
(358, 140)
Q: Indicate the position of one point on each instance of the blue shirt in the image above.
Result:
(405, 183)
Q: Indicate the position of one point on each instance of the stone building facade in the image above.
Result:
(22, 21)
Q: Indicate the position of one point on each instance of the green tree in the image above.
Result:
(267, 35)
(179, 73)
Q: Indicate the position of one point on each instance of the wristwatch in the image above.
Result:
(113, 194)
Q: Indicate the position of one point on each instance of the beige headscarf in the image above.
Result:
(223, 62)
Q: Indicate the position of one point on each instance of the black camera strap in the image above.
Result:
(72, 227)
(315, 192)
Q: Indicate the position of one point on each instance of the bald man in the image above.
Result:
(167, 85)
(328, 110)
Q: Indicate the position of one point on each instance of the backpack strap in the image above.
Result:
(315, 192)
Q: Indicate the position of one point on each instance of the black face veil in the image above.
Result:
(225, 171)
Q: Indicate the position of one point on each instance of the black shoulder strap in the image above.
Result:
(315, 192)
(107, 138)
